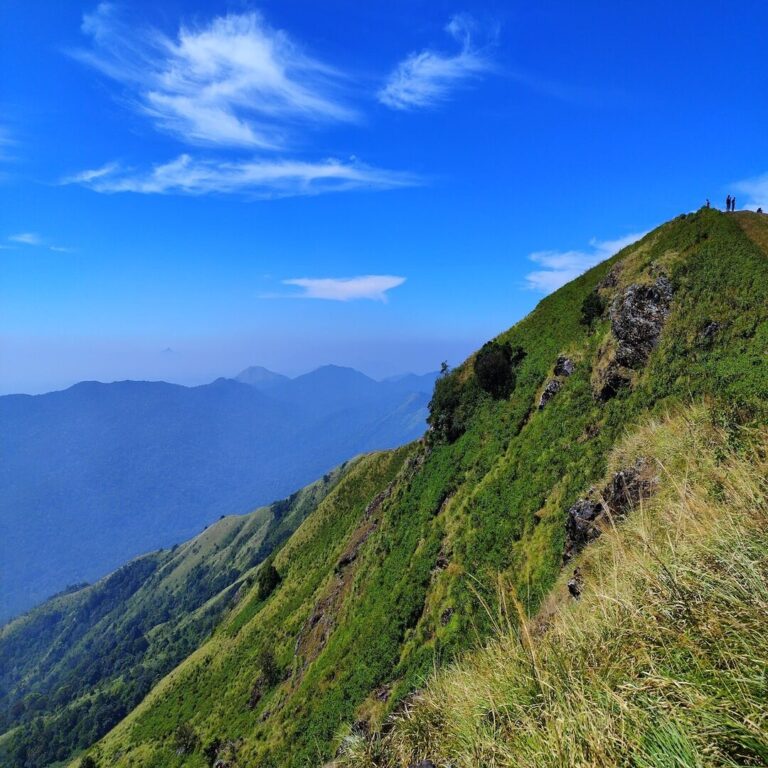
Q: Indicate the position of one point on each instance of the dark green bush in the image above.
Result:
(450, 408)
(270, 673)
(267, 580)
(592, 308)
(495, 368)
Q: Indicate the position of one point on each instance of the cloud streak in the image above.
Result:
(35, 240)
(234, 82)
(755, 190)
(26, 238)
(371, 287)
(428, 78)
(560, 267)
(255, 178)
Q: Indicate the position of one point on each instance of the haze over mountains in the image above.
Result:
(158, 461)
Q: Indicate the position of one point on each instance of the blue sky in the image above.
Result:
(187, 188)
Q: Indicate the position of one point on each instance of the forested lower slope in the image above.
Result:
(75, 666)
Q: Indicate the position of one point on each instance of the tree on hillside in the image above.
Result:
(495, 368)
(267, 580)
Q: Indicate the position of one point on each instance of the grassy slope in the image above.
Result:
(460, 516)
(664, 659)
(72, 668)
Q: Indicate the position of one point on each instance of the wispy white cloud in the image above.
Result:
(91, 177)
(35, 240)
(372, 287)
(427, 78)
(755, 190)
(257, 178)
(26, 238)
(559, 267)
(231, 83)
(234, 81)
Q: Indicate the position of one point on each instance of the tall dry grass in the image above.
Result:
(662, 662)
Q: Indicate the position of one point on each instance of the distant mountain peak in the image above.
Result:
(259, 376)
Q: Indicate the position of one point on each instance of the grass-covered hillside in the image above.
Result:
(403, 569)
(663, 659)
(74, 667)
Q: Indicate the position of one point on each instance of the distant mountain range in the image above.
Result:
(158, 461)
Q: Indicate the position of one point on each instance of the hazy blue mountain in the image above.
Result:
(260, 377)
(158, 461)
(412, 382)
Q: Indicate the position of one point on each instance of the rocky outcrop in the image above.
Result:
(581, 526)
(564, 367)
(550, 390)
(575, 584)
(586, 518)
(637, 317)
(628, 487)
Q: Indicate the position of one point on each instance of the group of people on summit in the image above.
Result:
(730, 204)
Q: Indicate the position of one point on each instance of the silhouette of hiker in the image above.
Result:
(728, 203)
(707, 203)
(733, 203)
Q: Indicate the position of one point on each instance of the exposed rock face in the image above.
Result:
(564, 366)
(423, 764)
(637, 320)
(629, 487)
(575, 584)
(581, 526)
(552, 388)
(585, 519)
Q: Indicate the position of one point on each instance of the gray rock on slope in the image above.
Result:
(637, 320)
(550, 390)
(637, 317)
(626, 489)
(564, 367)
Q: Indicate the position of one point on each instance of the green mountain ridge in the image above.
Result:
(405, 562)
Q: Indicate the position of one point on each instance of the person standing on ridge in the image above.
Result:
(728, 203)
(707, 203)
(733, 204)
